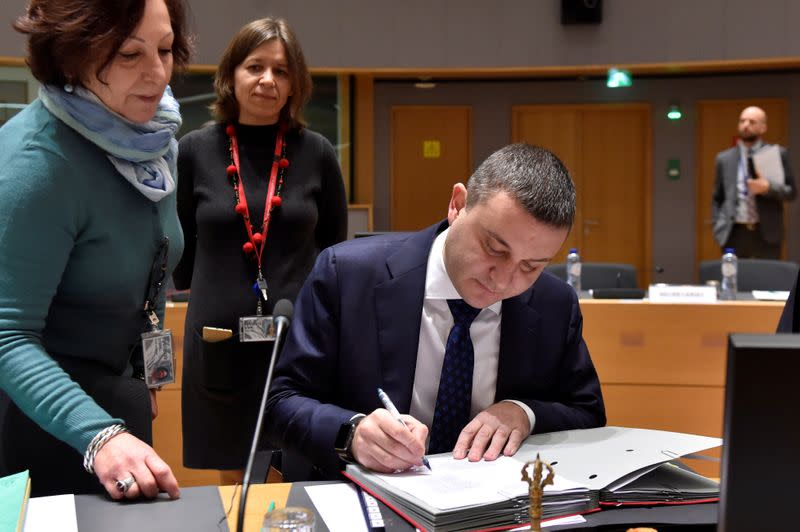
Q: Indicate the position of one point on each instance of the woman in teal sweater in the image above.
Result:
(88, 229)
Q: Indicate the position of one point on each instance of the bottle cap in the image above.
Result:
(729, 250)
(573, 250)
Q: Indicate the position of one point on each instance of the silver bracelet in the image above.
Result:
(97, 443)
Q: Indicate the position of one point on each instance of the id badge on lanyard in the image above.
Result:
(157, 348)
(258, 328)
(159, 357)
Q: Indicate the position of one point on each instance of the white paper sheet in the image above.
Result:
(569, 520)
(338, 506)
(598, 457)
(455, 483)
(771, 295)
(768, 163)
(46, 514)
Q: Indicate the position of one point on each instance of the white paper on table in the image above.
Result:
(338, 506)
(455, 483)
(568, 520)
(45, 514)
(768, 163)
(771, 295)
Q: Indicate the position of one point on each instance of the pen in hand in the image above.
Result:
(389, 405)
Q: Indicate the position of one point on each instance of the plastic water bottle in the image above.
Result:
(730, 268)
(574, 269)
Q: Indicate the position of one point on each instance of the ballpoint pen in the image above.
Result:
(389, 405)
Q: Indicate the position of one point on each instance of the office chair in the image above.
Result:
(755, 274)
(600, 275)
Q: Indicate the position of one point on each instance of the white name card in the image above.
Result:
(682, 293)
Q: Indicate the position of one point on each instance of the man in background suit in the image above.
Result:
(747, 210)
(379, 312)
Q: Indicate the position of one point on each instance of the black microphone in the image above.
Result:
(282, 316)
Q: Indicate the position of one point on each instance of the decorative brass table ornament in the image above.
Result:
(536, 488)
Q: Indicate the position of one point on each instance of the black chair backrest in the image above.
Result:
(755, 274)
(600, 275)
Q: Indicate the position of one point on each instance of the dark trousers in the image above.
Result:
(55, 467)
(746, 240)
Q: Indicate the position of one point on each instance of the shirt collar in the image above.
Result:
(437, 283)
(757, 145)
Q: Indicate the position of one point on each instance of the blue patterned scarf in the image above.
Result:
(145, 154)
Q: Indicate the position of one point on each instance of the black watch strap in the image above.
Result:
(344, 439)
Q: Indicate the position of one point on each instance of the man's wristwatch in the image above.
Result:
(344, 439)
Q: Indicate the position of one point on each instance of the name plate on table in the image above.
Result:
(682, 293)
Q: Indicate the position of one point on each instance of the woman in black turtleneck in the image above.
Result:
(227, 173)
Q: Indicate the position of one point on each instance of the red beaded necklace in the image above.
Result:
(254, 247)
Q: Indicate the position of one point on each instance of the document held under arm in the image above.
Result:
(769, 164)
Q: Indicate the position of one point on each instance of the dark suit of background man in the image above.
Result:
(748, 213)
(375, 312)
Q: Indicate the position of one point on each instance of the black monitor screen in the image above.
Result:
(761, 453)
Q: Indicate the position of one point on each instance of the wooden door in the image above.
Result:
(615, 185)
(431, 151)
(607, 150)
(557, 128)
(717, 122)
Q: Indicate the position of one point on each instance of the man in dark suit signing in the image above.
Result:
(747, 209)
(457, 323)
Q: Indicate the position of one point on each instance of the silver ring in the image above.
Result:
(125, 484)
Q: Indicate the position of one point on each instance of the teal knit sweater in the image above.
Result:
(77, 243)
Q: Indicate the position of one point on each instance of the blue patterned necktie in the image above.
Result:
(453, 401)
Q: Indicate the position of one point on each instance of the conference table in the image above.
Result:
(259, 498)
(199, 509)
(215, 509)
(661, 366)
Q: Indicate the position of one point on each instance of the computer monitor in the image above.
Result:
(790, 318)
(761, 453)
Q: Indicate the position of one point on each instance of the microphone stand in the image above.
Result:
(282, 324)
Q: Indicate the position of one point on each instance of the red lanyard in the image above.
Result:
(273, 199)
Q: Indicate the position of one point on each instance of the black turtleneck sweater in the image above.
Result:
(222, 382)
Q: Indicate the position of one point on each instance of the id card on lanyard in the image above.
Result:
(157, 351)
(258, 328)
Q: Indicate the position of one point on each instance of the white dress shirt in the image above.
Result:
(434, 329)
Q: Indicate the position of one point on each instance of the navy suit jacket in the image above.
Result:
(356, 328)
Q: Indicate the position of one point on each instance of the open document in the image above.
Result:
(461, 495)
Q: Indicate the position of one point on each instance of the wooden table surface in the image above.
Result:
(259, 497)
